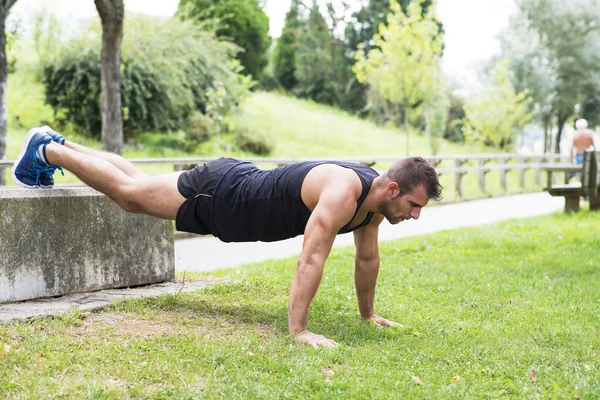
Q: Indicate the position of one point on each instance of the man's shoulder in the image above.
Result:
(340, 178)
(332, 181)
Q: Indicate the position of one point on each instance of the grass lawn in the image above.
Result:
(509, 310)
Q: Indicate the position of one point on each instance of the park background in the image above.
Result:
(508, 310)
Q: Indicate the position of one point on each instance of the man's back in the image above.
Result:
(582, 140)
(251, 204)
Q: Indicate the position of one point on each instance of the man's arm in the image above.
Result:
(334, 209)
(366, 269)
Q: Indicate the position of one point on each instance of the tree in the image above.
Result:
(360, 28)
(5, 6)
(111, 14)
(404, 63)
(565, 37)
(453, 130)
(495, 115)
(242, 21)
(314, 69)
(533, 68)
(284, 57)
(365, 22)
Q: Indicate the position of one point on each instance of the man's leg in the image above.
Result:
(153, 195)
(128, 168)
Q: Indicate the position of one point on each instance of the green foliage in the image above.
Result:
(365, 22)
(47, 33)
(436, 114)
(495, 115)
(404, 65)
(200, 128)
(284, 56)
(590, 107)
(242, 21)
(251, 140)
(269, 83)
(72, 87)
(314, 60)
(168, 67)
(360, 29)
(11, 37)
(455, 119)
(554, 48)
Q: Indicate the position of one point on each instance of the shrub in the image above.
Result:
(199, 129)
(168, 66)
(269, 83)
(73, 90)
(253, 141)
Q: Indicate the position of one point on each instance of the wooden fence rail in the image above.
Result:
(455, 164)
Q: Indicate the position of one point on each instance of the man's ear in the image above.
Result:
(392, 190)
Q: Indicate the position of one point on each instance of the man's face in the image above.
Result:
(399, 208)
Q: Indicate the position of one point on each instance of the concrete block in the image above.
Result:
(69, 240)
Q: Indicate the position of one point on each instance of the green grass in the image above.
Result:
(306, 129)
(482, 308)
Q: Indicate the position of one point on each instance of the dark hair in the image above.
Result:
(411, 172)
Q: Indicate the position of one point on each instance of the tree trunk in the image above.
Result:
(406, 128)
(3, 80)
(561, 122)
(111, 13)
(547, 134)
(5, 6)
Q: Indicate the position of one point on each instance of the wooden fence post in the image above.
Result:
(503, 172)
(481, 163)
(522, 160)
(458, 163)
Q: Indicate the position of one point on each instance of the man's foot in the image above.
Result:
(56, 137)
(31, 170)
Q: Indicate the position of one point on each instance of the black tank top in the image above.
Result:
(250, 204)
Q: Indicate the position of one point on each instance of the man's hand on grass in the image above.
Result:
(383, 322)
(314, 340)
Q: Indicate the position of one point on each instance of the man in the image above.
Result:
(235, 201)
(583, 138)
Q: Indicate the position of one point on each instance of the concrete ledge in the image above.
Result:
(70, 240)
(93, 301)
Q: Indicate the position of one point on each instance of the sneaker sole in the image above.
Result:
(18, 160)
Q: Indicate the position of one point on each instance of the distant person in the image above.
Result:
(237, 202)
(583, 139)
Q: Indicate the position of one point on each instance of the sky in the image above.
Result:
(471, 26)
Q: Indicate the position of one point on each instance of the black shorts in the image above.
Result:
(198, 186)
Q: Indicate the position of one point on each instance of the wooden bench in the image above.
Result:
(588, 187)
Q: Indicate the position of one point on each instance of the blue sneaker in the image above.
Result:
(56, 137)
(29, 170)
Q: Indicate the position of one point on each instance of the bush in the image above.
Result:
(269, 83)
(253, 141)
(199, 129)
(168, 66)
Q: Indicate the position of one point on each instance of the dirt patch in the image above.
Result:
(108, 325)
(115, 325)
